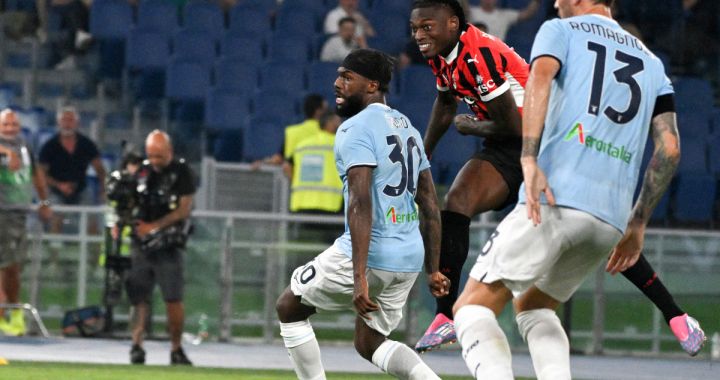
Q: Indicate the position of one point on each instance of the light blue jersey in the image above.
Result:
(382, 137)
(599, 113)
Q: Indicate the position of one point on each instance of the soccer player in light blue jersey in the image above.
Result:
(392, 230)
(593, 93)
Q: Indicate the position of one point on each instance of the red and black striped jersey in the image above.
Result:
(480, 68)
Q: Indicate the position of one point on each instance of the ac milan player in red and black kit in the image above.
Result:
(487, 75)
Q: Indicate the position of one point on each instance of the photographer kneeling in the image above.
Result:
(165, 188)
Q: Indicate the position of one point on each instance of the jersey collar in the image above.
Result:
(454, 53)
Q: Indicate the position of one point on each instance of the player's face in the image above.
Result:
(434, 29)
(350, 89)
(9, 125)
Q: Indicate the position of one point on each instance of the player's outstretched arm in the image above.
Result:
(440, 119)
(430, 228)
(359, 214)
(664, 162)
(537, 94)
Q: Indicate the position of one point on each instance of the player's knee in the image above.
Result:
(284, 306)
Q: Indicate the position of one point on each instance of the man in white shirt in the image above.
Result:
(499, 20)
(348, 8)
(337, 47)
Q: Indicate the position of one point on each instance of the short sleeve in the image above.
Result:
(551, 40)
(666, 87)
(357, 148)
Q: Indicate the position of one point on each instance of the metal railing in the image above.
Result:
(239, 262)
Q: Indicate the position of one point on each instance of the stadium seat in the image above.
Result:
(384, 7)
(282, 75)
(277, 104)
(693, 156)
(226, 109)
(321, 79)
(160, 15)
(452, 152)
(714, 154)
(693, 96)
(296, 22)
(315, 6)
(110, 19)
(234, 45)
(694, 198)
(263, 137)
(228, 146)
(146, 49)
(662, 209)
(292, 49)
(418, 111)
(249, 22)
(417, 82)
(187, 80)
(7, 96)
(236, 74)
(194, 44)
(693, 123)
(392, 33)
(204, 15)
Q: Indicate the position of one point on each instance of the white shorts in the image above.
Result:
(555, 256)
(326, 283)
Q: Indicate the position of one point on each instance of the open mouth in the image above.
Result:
(339, 99)
(424, 47)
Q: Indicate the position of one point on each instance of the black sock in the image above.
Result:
(453, 252)
(644, 277)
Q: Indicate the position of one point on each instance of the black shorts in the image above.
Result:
(505, 157)
(162, 267)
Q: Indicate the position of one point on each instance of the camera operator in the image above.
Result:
(165, 188)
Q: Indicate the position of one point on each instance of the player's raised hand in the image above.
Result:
(361, 300)
(627, 252)
(439, 284)
(535, 184)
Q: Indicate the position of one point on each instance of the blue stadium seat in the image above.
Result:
(715, 121)
(7, 96)
(452, 152)
(418, 82)
(417, 110)
(277, 104)
(315, 6)
(110, 19)
(662, 209)
(239, 46)
(187, 80)
(694, 198)
(263, 137)
(693, 156)
(693, 123)
(297, 22)
(146, 49)
(249, 22)
(385, 7)
(160, 15)
(194, 44)
(20, 5)
(205, 15)
(226, 109)
(714, 154)
(292, 48)
(228, 146)
(236, 74)
(392, 33)
(521, 40)
(693, 96)
(283, 75)
(321, 79)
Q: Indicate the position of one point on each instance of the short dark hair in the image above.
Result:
(346, 19)
(326, 116)
(453, 5)
(312, 103)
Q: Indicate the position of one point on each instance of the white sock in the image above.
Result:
(402, 362)
(485, 348)
(549, 346)
(304, 350)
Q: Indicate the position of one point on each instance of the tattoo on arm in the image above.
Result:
(661, 169)
(530, 147)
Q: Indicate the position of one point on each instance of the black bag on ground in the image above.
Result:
(86, 321)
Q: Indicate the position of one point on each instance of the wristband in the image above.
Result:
(45, 202)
